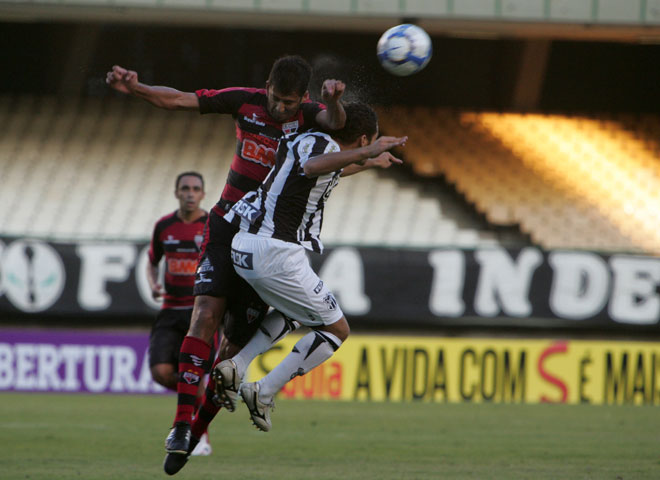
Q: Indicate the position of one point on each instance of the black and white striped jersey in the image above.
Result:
(288, 205)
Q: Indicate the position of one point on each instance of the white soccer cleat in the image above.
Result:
(259, 411)
(227, 381)
(203, 448)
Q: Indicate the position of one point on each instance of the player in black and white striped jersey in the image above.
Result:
(277, 223)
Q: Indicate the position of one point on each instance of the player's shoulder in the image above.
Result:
(167, 220)
(233, 97)
(203, 218)
(313, 141)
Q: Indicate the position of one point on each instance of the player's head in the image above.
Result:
(189, 190)
(361, 127)
(287, 86)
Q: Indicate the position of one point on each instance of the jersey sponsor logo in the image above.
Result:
(246, 211)
(242, 259)
(181, 266)
(170, 240)
(318, 287)
(254, 152)
(330, 301)
(254, 120)
(290, 127)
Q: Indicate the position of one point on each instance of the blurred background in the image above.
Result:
(528, 205)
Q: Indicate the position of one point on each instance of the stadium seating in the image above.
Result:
(569, 181)
(105, 169)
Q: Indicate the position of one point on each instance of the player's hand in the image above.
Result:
(121, 79)
(384, 160)
(157, 291)
(384, 144)
(332, 90)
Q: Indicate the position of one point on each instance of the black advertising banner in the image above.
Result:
(486, 287)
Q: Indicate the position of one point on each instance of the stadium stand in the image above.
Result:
(569, 181)
(103, 169)
(94, 168)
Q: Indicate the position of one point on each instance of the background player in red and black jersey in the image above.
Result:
(178, 238)
(262, 117)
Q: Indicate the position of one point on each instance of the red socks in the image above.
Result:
(193, 365)
(208, 410)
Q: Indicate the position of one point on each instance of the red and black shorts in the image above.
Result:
(216, 277)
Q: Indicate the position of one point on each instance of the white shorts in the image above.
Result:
(282, 276)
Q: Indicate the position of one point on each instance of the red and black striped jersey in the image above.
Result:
(257, 136)
(179, 243)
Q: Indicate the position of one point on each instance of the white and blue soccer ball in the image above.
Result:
(404, 49)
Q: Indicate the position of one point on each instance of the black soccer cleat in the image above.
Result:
(175, 460)
(178, 441)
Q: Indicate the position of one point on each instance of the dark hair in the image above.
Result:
(290, 74)
(360, 120)
(188, 174)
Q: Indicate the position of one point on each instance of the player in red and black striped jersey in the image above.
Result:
(262, 117)
(177, 237)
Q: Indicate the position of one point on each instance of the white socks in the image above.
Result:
(274, 327)
(309, 352)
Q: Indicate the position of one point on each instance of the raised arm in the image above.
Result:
(126, 81)
(334, 117)
(331, 162)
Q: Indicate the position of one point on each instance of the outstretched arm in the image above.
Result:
(334, 117)
(126, 81)
(384, 160)
(331, 162)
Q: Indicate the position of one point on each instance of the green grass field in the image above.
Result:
(121, 437)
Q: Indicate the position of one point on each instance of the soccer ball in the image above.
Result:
(404, 49)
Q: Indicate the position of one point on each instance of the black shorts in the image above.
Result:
(216, 277)
(167, 334)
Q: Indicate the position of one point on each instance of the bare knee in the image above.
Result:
(165, 374)
(339, 329)
(206, 317)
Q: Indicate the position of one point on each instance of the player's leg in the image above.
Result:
(212, 280)
(165, 340)
(282, 276)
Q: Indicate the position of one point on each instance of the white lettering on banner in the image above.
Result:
(100, 264)
(634, 293)
(25, 366)
(343, 273)
(124, 362)
(500, 277)
(71, 355)
(96, 375)
(6, 366)
(141, 279)
(448, 280)
(47, 367)
(48, 362)
(580, 284)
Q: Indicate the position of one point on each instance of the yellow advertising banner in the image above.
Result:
(388, 368)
